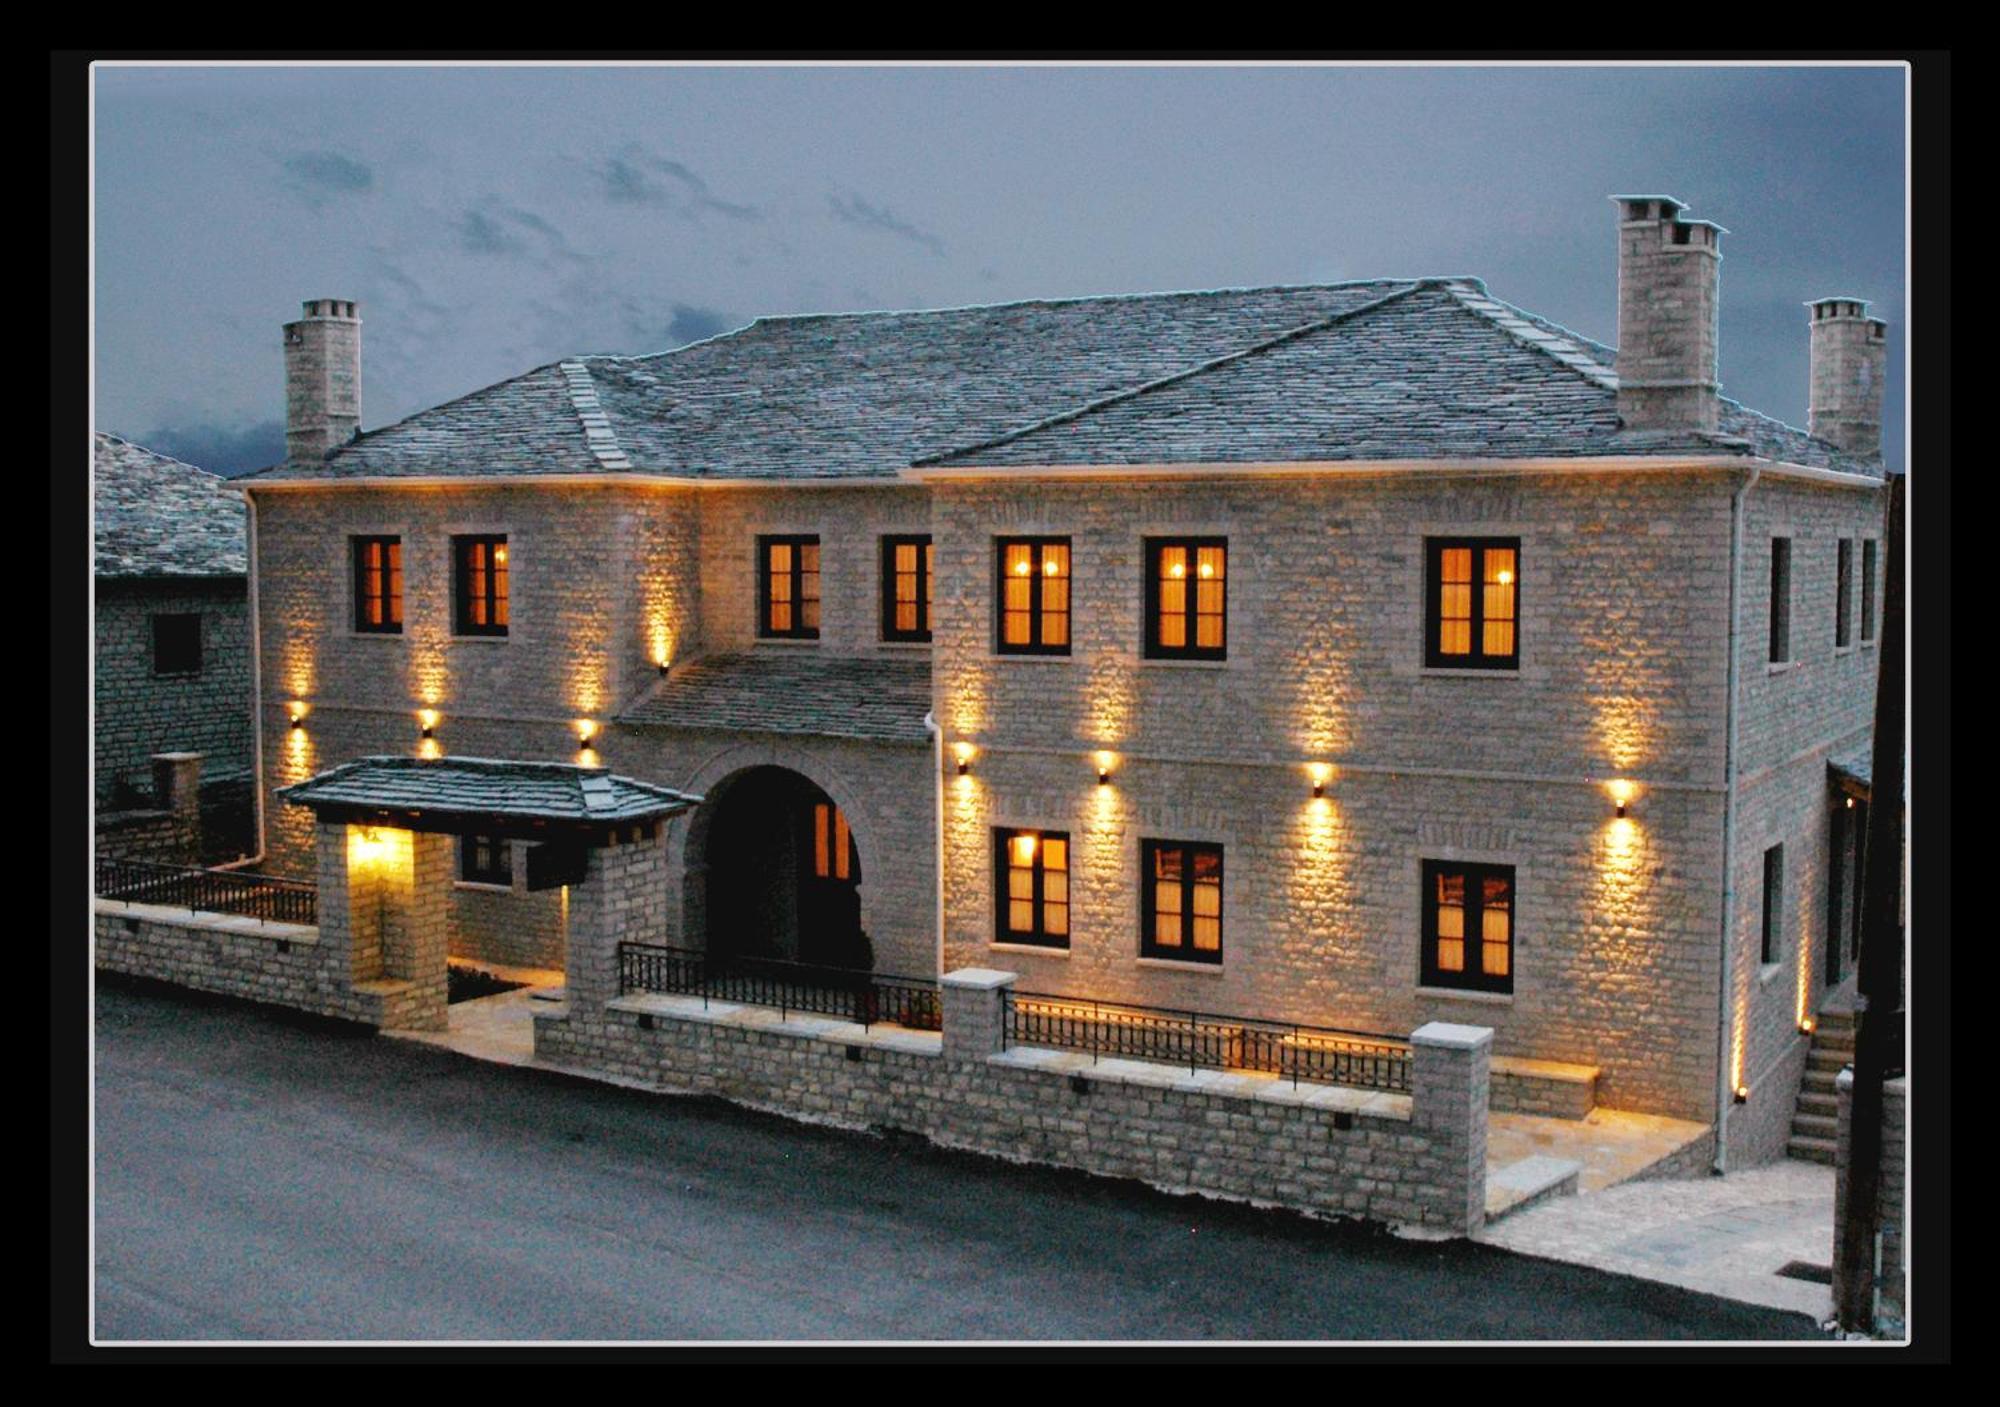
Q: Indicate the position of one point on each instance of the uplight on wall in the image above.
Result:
(963, 753)
(1743, 1094)
(586, 732)
(427, 722)
(298, 712)
(1622, 792)
(1320, 774)
(1104, 762)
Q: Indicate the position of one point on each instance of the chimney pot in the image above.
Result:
(1668, 302)
(322, 379)
(1849, 357)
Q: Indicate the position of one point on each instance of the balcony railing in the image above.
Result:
(1198, 1040)
(861, 997)
(260, 896)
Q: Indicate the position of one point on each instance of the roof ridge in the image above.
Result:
(1118, 397)
(148, 449)
(597, 431)
(1529, 330)
(361, 435)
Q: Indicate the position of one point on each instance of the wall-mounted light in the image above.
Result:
(586, 729)
(298, 711)
(1850, 803)
(1104, 761)
(1622, 793)
(1320, 773)
(427, 722)
(1806, 1026)
(664, 666)
(1743, 1094)
(963, 752)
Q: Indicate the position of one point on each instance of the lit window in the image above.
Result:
(177, 644)
(1868, 589)
(1186, 598)
(1180, 901)
(1468, 937)
(485, 859)
(1774, 893)
(788, 587)
(1031, 887)
(906, 588)
(1034, 596)
(378, 585)
(833, 844)
(479, 592)
(1781, 599)
(1843, 585)
(1472, 602)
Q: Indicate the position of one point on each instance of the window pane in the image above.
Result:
(929, 577)
(1210, 562)
(1167, 914)
(1451, 922)
(842, 844)
(1055, 853)
(1055, 919)
(394, 609)
(820, 829)
(1497, 602)
(1496, 925)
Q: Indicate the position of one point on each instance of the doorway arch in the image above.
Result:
(779, 872)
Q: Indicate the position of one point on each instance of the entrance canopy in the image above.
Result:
(488, 796)
(1851, 773)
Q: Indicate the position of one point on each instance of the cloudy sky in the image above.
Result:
(491, 220)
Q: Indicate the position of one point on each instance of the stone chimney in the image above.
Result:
(1850, 357)
(322, 380)
(1667, 302)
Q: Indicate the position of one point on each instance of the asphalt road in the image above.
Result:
(260, 1179)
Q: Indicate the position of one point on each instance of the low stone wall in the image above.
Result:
(1893, 1268)
(1417, 1159)
(156, 836)
(1545, 1087)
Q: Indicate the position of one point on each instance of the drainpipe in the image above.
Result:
(256, 690)
(937, 850)
(1725, 1093)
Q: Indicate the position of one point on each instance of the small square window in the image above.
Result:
(1180, 901)
(485, 859)
(906, 587)
(1031, 887)
(177, 644)
(378, 585)
(1468, 918)
(1033, 593)
(788, 588)
(1472, 605)
(1187, 598)
(480, 570)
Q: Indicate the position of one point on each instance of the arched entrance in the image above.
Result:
(780, 873)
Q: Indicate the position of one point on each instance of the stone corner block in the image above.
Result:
(979, 979)
(1450, 1036)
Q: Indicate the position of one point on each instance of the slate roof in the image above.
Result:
(484, 786)
(881, 699)
(1857, 765)
(158, 517)
(1401, 368)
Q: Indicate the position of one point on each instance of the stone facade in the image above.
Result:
(139, 713)
(1892, 1272)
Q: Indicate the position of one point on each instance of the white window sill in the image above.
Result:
(482, 886)
(1145, 663)
(1868, 644)
(998, 658)
(1462, 994)
(924, 645)
(1769, 970)
(1207, 969)
(787, 642)
(1780, 667)
(1446, 672)
(1035, 948)
(396, 635)
(480, 639)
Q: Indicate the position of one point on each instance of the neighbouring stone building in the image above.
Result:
(1364, 655)
(172, 671)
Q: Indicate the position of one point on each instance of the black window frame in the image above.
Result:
(499, 592)
(1867, 590)
(1472, 978)
(1186, 951)
(1843, 585)
(1780, 604)
(391, 587)
(1771, 921)
(1039, 936)
(1476, 657)
(797, 581)
(171, 657)
(486, 859)
(925, 582)
(1038, 611)
(1191, 613)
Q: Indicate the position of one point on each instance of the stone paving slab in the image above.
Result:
(1720, 1235)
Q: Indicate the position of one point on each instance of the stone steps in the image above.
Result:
(1816, 1118)
(1812, 1150)
(1530, 1181)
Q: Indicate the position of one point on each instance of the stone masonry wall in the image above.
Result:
(1891, 1281)
(138, 713)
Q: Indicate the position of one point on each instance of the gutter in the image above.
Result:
(256, 692)
(1725, 1096)
(937, 784)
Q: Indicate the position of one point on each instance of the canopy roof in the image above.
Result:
(482, 794)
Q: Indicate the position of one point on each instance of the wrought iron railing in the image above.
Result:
(261, 896)
(862, 997)
(1200, 1039)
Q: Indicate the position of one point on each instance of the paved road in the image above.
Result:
(261, 1179)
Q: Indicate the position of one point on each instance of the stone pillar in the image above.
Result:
(177, 788)
(974, 1001)
(622, 899)
(1890, 1268)
(1450, 1084)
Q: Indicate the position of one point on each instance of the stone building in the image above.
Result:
(1362, 655)
(172, 666)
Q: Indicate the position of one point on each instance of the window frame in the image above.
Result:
(1469, 978)
(499, 594)
(1770, 932)
(1155, 649)
(392, 585)
(1149, 945)
(1843, 585)
(1779, 607)
(926, 581)
(1867, 590)
(155, 653)
(498, 872)
(1476, 657)
(1038, 611)
(1039, 936)
(797, 575)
